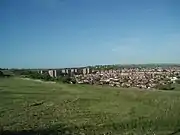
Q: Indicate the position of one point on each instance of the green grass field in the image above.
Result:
(30, 107)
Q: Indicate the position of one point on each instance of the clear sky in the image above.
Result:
(70, 33)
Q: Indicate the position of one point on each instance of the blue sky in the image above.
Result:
(70, 33)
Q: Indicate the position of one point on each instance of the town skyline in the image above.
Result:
(105, 65)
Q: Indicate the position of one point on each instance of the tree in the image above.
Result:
(47, 77)
(1, 74)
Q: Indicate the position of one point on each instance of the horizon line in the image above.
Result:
(100, 65)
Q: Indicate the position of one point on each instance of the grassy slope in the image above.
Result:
(86, 109)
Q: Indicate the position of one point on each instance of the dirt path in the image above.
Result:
(37, 80)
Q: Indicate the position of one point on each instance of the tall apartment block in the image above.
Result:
(69, 71)
(51, 73)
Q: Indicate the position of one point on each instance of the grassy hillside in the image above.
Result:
(30, 107)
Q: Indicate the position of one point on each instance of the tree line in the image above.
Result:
(64, 78)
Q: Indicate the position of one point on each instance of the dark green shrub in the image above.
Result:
(178, 81)
(66, 79)
(165, 87)
(6, 73)
(1, 74)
